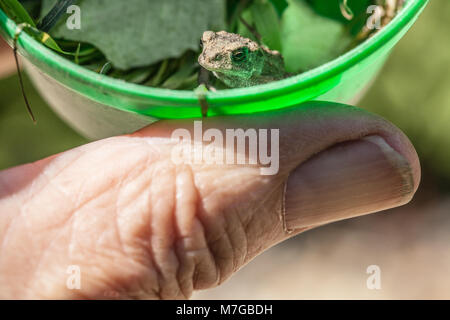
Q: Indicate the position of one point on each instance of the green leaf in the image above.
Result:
(138, 75)
(309, 40)
(234, 11)
(16, 11)
(187, 67)
(46, 39)
(137, 33)
(158, 78)
(280, 5)
(267, 23)
(242, 28)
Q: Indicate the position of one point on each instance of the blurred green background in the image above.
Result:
(410, 244)
(413, 91)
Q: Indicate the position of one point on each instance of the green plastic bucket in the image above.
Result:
(98, 106)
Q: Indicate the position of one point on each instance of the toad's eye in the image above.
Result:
(240, 55)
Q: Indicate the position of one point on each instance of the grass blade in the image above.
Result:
(16, 11)
(267, 24)
(53, 16)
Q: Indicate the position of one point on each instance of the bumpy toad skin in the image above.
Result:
(238, 61)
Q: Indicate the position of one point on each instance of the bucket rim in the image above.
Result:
(261, 92)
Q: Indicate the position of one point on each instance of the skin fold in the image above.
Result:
(140, 226)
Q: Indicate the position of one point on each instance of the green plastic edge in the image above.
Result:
(333, 68)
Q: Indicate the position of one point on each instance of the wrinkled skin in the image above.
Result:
(139, 226)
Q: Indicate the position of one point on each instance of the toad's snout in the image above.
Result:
(208, 36)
